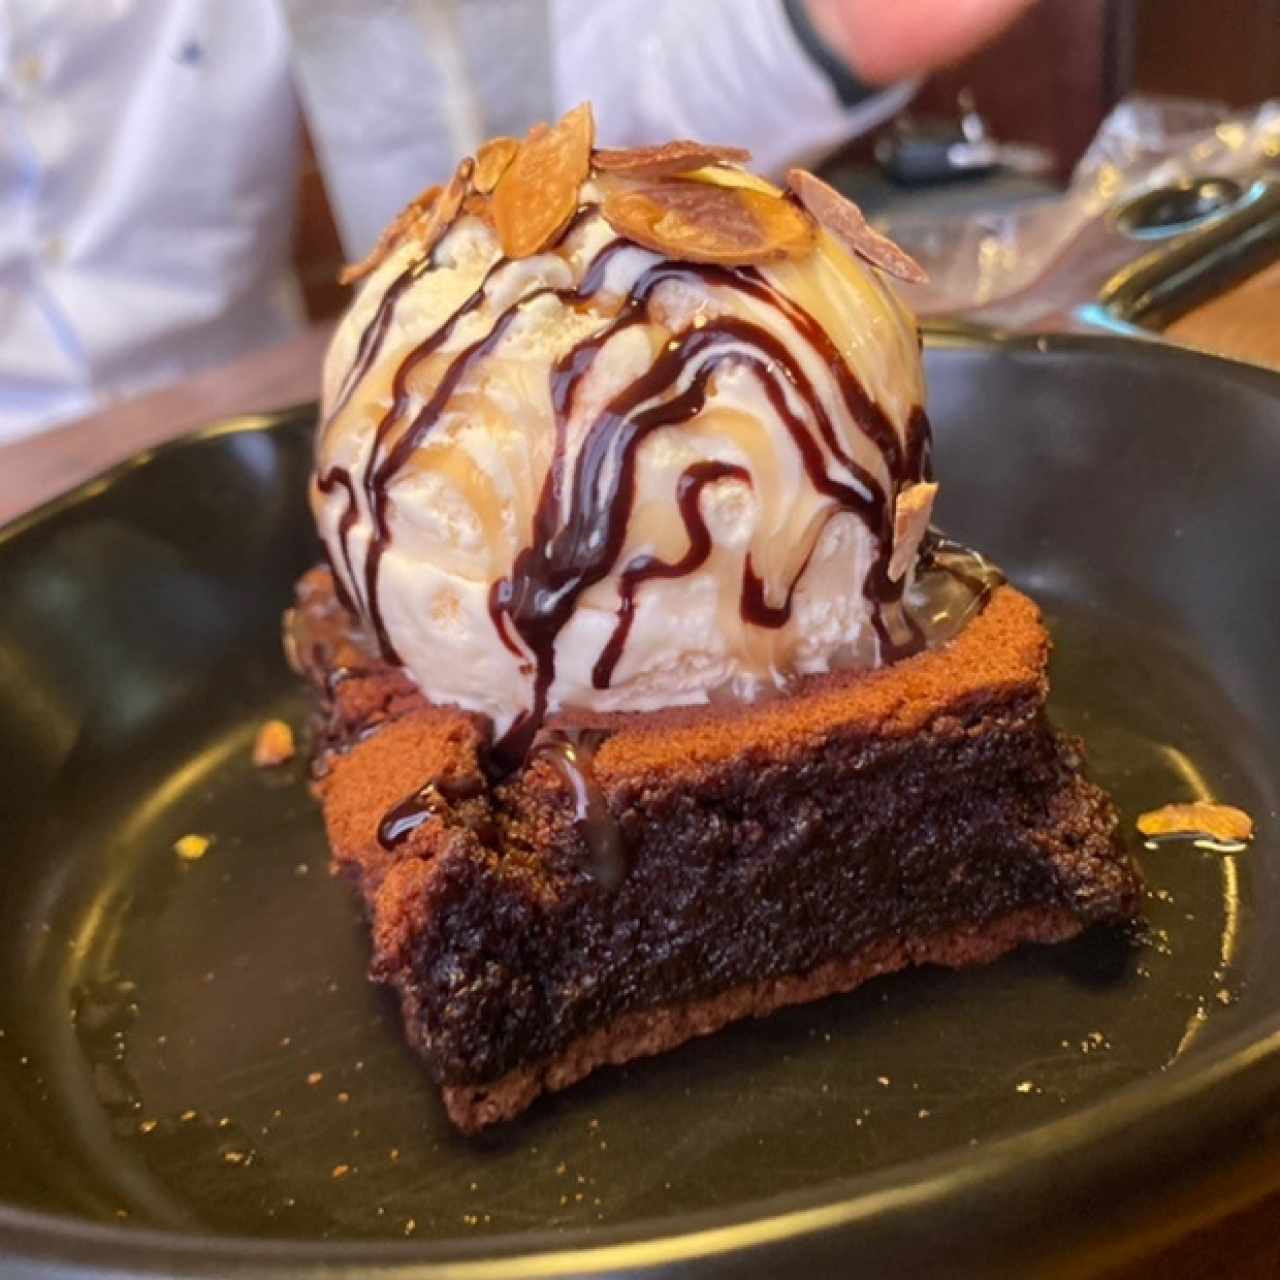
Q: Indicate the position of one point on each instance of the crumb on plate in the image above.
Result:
(192, 847)
(273, 745)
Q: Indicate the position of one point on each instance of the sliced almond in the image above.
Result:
(419, 206)
(910, 520)
(844, 220)
(478, 206)
(424, 220)
(429, 230)
(700, 222)
(492, 160)
(539, 190)
(1219, 822)
(667, 160)
(785, 228)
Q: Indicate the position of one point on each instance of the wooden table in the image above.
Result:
(1244, 1246)
(1244, 322)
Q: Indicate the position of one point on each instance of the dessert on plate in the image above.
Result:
(647, 699)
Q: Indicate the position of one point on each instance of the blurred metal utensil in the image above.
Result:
(918, 152)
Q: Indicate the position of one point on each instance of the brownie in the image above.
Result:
(649, 878)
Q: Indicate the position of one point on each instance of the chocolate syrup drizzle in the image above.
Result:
(571, 753)
(404, 818)
(433, 800)
(645, 568)
(952, 584)
(376, 330)
(340, 478)
(565, 556)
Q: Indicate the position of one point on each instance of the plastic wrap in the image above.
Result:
(1144, 144)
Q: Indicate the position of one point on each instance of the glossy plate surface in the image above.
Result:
(195, 1077)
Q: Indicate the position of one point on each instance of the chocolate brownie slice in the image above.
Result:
(648, 878)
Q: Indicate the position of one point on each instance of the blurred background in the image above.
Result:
(182, 180)
(1037, 96)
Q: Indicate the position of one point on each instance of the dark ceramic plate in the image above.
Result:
(195, 1077)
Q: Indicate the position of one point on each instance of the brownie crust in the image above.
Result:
(778, 852)
(651, 1031)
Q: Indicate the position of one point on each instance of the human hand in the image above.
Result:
(883, 42)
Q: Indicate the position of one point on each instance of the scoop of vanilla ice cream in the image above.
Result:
(440, 452)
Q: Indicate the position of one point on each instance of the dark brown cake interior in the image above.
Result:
(776, 852)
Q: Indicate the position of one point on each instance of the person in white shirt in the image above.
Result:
(148, 148)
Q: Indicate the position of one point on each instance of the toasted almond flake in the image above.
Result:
(701, 222)
(418, 207)
(844, 220)
(492, 160)
(192, 847)
(538, 193)
(910, 519)
(429, 229)
(478, 206)
(1217, 821)
(273, 745)
(425, 221)
(665, 161)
